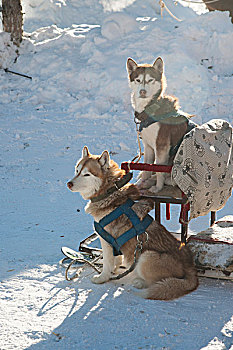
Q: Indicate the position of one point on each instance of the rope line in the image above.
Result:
(163, 6)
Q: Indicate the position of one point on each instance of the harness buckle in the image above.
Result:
(141, 242)
(138, 246)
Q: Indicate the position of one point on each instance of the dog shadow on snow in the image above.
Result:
(111, 316)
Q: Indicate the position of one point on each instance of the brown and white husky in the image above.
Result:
(158, 129)
(163, 271)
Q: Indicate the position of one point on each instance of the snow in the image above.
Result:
(76, 52)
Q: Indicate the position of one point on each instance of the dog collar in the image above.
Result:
(155, 112)
(117, 185)
(146, 119)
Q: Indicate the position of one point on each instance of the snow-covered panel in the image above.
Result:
(213, 248)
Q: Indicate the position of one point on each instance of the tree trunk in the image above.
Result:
(12, 19)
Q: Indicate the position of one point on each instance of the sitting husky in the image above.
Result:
(163, 270)
(162, 125)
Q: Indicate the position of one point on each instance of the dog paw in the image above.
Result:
(150, 182)
(168, 181)
(155, 189)
(98, 279)
(139, 283)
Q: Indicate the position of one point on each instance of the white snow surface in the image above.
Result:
(76, 52)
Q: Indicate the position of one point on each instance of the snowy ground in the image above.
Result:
(76, 53)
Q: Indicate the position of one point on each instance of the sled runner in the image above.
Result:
(86, 255)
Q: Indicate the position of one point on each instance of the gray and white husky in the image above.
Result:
(162, 126)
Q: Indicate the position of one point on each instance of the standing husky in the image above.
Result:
(161, 124)
(163, 270)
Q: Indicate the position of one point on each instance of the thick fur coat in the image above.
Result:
(164, 269)
(148, 84)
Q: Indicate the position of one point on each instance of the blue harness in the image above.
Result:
(139, 226)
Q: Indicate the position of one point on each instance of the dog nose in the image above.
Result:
(70, 184)
(142, 92)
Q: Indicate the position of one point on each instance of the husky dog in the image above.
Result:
(161, 125)
(163, 271)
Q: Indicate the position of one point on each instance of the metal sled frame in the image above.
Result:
(85, 247)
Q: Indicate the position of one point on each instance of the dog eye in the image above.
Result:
(150, 80)
(86, 175)
(138, 80)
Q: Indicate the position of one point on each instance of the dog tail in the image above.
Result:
(172, 287)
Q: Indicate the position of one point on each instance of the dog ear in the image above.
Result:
(131, 65)
(85, 152)
(104, 160)
(158, 64)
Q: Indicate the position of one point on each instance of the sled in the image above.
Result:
(212, 250)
